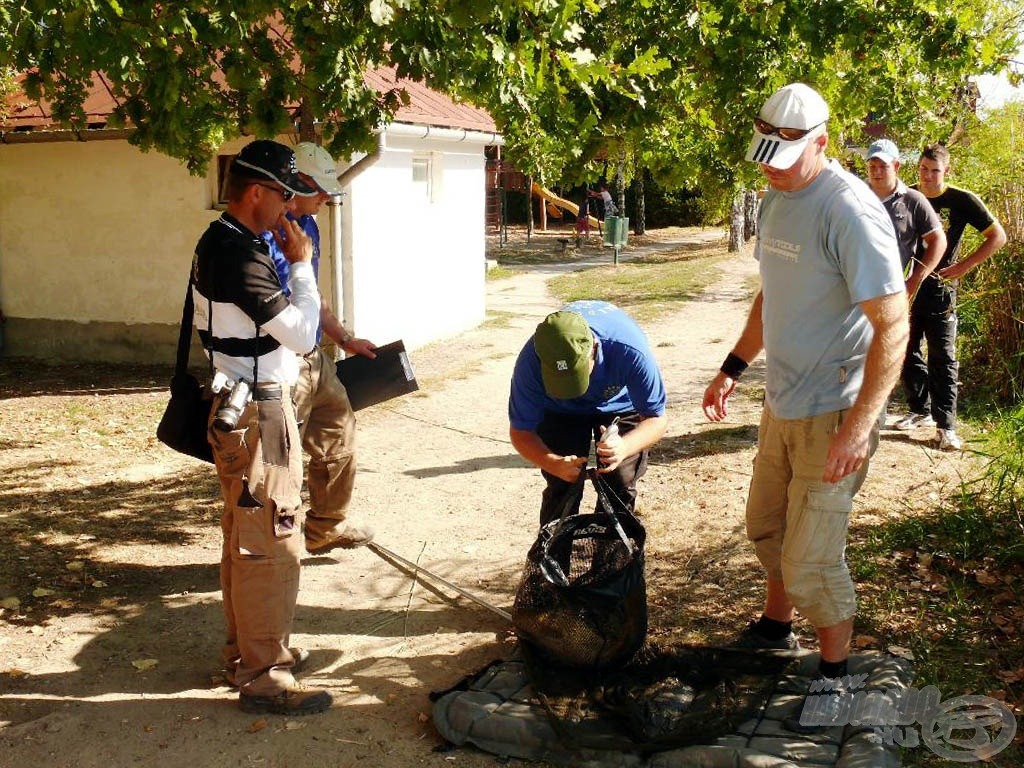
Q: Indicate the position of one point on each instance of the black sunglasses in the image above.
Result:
(287, 194)
(786, 134)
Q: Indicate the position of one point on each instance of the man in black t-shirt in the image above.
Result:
(252, 332)
(931, 385)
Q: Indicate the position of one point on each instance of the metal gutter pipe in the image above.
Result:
(342, 269)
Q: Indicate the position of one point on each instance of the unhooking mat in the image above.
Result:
(665, 698)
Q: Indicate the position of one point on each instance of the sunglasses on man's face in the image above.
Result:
(786, 134)
(287, 194)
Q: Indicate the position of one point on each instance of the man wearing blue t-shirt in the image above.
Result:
(586, 367)
(326, 422)
(831, 317)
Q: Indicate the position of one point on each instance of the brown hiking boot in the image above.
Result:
(299, 658)
(294, 701)
(351, 536)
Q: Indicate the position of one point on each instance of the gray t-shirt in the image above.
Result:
(913, 217)
(822, 250)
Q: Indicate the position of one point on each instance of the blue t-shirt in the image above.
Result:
(625, 376)
(309, 226)
(823, 250)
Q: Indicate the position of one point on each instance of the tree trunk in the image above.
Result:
(736, 223)
(640, 225)
(750, 206)
(529, 208)
(307, 126)
(620, 181)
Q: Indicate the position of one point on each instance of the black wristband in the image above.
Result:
(734, 366)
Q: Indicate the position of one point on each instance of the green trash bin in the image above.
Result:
(616, 230)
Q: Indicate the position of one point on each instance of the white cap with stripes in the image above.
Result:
(798, 108)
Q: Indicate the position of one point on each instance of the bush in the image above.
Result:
(665, 207)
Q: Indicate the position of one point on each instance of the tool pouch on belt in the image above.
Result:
(274, 438)
(582, 599)
(282, 484)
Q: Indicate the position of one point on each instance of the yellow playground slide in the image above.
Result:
(561, 202)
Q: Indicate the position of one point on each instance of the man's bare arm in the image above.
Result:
(994, 239)
(851, 445)
(935, 246)
(529, 445)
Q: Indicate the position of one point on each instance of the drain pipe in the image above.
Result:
(341, 261)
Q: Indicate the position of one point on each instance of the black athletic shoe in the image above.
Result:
(294, 701)
(754, 640)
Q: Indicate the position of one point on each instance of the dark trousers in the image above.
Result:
(570, 435)
(931, 385)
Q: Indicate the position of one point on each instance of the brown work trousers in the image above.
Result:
(327, 426)
(260, 470)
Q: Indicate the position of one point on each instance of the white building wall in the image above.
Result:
(96, 238)
(417, 247)
(97, 231)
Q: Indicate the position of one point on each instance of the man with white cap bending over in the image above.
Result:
(831, 316)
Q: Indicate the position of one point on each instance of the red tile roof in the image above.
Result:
(426, 107)
(26, 114)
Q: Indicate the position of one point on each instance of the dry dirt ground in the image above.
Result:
(111, 619)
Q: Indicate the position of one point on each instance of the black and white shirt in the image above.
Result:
(234, 276)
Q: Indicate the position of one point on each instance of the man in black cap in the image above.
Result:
(253, 331)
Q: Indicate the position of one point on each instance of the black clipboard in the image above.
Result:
(386, 376)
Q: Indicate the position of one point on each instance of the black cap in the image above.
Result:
(272, 160)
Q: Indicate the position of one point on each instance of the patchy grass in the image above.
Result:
(500, 273)
(646, 287)
(497, 318)
(947, 584)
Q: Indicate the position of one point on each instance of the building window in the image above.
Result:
(421, 169)
(426, 171)
(220, 194)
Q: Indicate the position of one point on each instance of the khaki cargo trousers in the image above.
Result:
(260, 470)
(797, 522)
(327, 427)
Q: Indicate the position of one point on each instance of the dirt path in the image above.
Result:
(115, 665)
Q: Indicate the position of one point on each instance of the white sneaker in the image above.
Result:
(913, 421)
(948, 441)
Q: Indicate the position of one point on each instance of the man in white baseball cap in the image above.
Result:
(832, 317)
(787, 122)
(918, 226)
(316, 162)
(326, 422)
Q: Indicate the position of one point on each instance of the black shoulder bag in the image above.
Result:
(184, 423)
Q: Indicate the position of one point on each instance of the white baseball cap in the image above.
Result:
(795, 109)
(317, 163)
(884, 150)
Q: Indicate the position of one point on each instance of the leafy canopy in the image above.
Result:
(669, 84)
(189, 75)
(905, 64)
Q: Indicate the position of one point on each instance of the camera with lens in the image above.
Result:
(231, 407)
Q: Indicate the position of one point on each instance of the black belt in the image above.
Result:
(266, 391)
